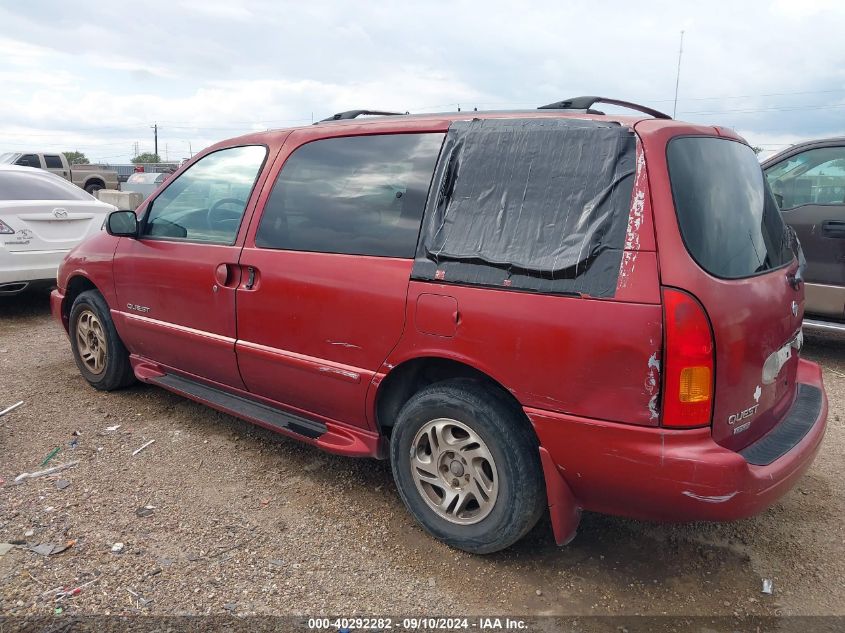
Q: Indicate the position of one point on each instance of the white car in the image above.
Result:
(144, 183)
(42, 217)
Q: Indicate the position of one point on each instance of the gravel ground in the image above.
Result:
(244, 521)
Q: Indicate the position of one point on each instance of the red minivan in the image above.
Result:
(521, 310)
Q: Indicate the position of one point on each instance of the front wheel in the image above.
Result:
(467, 466)
(100, 355)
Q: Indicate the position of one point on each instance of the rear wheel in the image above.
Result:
(99, 353)
(467, 466)
(93, 187)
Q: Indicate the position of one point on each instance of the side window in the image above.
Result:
(816, 176)
(359, 195)
(207, 202)
(52, 162)
(29, 160)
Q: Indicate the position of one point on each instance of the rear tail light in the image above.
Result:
(688, 353)
(5, 229)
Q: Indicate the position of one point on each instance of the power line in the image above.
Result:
(768, 94)
(637, 99)
(756, 110)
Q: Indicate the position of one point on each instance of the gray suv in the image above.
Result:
(808, 181)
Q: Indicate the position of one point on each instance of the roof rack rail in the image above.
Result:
(354, 114)
(585, 103)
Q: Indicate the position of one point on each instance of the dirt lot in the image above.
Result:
(245, 521)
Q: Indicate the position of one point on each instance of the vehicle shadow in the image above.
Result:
(827, 349)
(624, 564)
(28, 304)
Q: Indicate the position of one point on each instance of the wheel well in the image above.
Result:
(75, 287)
(95, 181)
(408, 378)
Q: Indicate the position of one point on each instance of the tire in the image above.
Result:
(93, 188)
(468, 421)
(99, 353)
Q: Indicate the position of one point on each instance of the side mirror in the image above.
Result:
(122, 224)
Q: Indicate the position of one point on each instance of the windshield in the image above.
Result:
(9, 158)
(728, 218)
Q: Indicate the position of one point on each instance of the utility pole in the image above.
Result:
(155, 137)
(678, 76)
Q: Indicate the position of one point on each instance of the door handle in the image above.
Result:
(227, 275)
(250, 278)
(833, 228)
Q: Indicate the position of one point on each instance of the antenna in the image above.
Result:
(678, 76)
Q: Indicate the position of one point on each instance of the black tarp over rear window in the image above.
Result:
(531, 204)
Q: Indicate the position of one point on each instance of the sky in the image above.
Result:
(95, 77)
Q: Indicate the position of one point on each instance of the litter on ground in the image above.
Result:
(140, 448)
(48, 471)
(10, 409)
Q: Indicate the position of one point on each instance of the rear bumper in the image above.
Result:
(11, 288)
(671, 475)
(818, 325)
(824, 301)
(17, 266)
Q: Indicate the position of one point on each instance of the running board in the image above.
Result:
(242, 407)
(813, 325)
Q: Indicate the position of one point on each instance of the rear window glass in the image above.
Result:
(728, 218)
(37, 185)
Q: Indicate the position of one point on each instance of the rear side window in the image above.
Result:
(358, 195)
(20, 185)
(534, 204)
(52, 161)
(728, 218)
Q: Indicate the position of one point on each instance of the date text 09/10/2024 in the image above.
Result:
(343, 625)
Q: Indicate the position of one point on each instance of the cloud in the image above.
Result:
(209, 70)
(17, 53)
(225, 9)
(806, 8)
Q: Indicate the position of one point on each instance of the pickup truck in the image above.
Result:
(808, 183)
(88, 177)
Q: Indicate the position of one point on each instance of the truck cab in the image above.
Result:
(91, 178)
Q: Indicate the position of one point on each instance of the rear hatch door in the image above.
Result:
(721, 238)
(50, 225)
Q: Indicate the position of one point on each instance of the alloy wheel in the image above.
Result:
(454, 471)
(91, 342)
